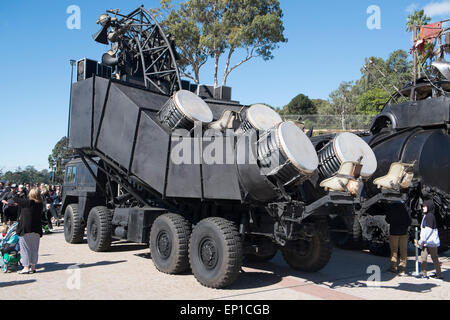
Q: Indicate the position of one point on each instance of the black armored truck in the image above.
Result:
(203, 179)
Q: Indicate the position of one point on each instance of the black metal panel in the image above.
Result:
(117, 129)
(140, 222)
(222, 93)
(432, 151)
(100, 95)
(220, 177)
(150, 154)
(143, 98)
(184, 179)
(255, 185)
(80, 115)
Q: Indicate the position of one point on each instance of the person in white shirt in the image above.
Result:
(429, 240)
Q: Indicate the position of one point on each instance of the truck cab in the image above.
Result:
(85, 206)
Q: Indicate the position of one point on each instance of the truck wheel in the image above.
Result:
(309, 256)
(99, 229)
(73, 226)
(169, 243)
(215, 252)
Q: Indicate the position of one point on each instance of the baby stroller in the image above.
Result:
(9, 248)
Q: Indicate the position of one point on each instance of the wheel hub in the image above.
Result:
(94, 231)
(163, 244)
(208, 253)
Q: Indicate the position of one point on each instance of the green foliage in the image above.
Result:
(418, 18)
(372, 101)
(60, 152)
(321, 106)
(300, 105)
(27, 175)
(391, 74)
(213, 28)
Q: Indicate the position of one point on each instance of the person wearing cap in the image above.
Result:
(10, 209)
(429, 239)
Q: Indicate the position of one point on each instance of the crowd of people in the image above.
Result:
(51, 198)
(32, 210)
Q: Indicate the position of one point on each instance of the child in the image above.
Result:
(429, 240)
(3, 231)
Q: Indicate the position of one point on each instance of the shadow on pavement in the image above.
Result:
(15, 283)
(338, 273)
(123, 247)
(413, 287)
(253, 280)
(146, 255)
(55, 266)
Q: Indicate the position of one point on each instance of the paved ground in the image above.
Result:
(74, 272)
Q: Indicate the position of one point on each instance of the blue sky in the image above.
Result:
(328, 41)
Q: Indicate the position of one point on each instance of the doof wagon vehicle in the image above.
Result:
(203, 179)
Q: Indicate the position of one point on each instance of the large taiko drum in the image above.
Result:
(259, 117)
(184, 109)
(346, 147)
(286, 154)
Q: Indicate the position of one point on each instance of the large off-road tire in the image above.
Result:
(312, 255)
(169, 243)
(73, 225)
(215, 252)
(99, 229)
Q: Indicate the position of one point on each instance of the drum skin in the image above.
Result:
(430, 148)
(183, 110)
(259, 117)
(286, 154)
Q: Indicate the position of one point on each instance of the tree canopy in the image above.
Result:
(60, 152)
(216, 28)
(27, 175)
(300, 105)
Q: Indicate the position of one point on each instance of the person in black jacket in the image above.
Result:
(399, 220)
(29, 229)
(10, 210)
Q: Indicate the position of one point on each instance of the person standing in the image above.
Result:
(29, 229)
(2, 191)
(399, 220)
(10, 209)
(429, 239)
(46, 199)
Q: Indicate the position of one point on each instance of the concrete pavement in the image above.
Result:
(126, 272)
